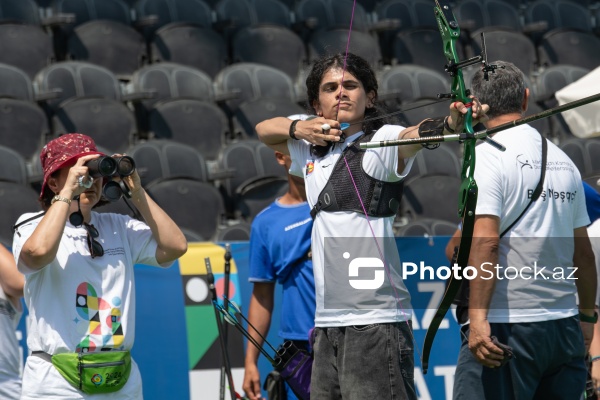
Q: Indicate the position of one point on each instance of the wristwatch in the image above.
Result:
(588, 319)
(60, 198)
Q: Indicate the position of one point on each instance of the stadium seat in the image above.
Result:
(319, 15)
(559, 14)
(253, 81)
(330, 42)
(548, 82)
(76, 79)
(237, 231)
(442, 161)
(250, 113)
(163, 81)
(404, 83)
(24, 126)
(248, 160)
(192, 45)
(17, 199)
(109, 122)
(569, 46)
(20, 11)
(13, 167)
(272, 45)
(233, 15)
(195, 206)
(488, 14)
(431, 196)
(35, 55)
(158, 13)
(88, 10)
(161, 159)
(583, 153)
(199, 124)
(409, 14)
(592, 147)
(420, 46)
(111, 44)
(254, 195)
(82, 12)
(15, 83)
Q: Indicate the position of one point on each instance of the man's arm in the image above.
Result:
(259, 315)
(484, 248)
(584, 261)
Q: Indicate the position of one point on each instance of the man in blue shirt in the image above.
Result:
(280, 253)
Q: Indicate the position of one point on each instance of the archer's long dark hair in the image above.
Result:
(362, 71)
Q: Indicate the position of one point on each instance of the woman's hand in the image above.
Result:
(72, 187)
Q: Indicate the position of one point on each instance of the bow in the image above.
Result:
(450, 32)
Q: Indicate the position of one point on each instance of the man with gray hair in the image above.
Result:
(533, 257)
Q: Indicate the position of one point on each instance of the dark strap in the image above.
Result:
(16, 226)
(540, 186)
(43, 355)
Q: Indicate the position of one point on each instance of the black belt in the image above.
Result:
(42, 354)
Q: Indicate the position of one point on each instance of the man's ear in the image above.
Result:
(525, 100)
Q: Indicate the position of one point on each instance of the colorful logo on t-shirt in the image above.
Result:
(99, 321)
(310, 167)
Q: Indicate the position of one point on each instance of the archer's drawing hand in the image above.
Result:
(459, 109)
(481, 346)
(251, 385)
(315, 131)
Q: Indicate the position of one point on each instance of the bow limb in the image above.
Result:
(468, 189)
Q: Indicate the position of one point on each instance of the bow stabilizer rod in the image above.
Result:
(484, 134)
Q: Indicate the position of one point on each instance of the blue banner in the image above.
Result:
(177, 344)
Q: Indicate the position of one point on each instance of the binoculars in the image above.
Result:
(109, 167)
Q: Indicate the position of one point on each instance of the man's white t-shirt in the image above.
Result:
(352, 287)
(10, 357)
(540, 245)
(82, 303)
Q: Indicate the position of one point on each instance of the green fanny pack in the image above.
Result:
(93, 373)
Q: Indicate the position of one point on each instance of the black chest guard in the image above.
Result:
(380, 198)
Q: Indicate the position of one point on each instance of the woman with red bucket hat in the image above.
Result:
(79, 277)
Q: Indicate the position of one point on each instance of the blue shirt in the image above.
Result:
(592, 201)
(279, 249)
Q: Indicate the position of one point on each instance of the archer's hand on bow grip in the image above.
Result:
(459, 109)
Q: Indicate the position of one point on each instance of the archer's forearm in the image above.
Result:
(259, 316)
(483, 250)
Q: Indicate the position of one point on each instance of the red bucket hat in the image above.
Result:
(65, 150)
